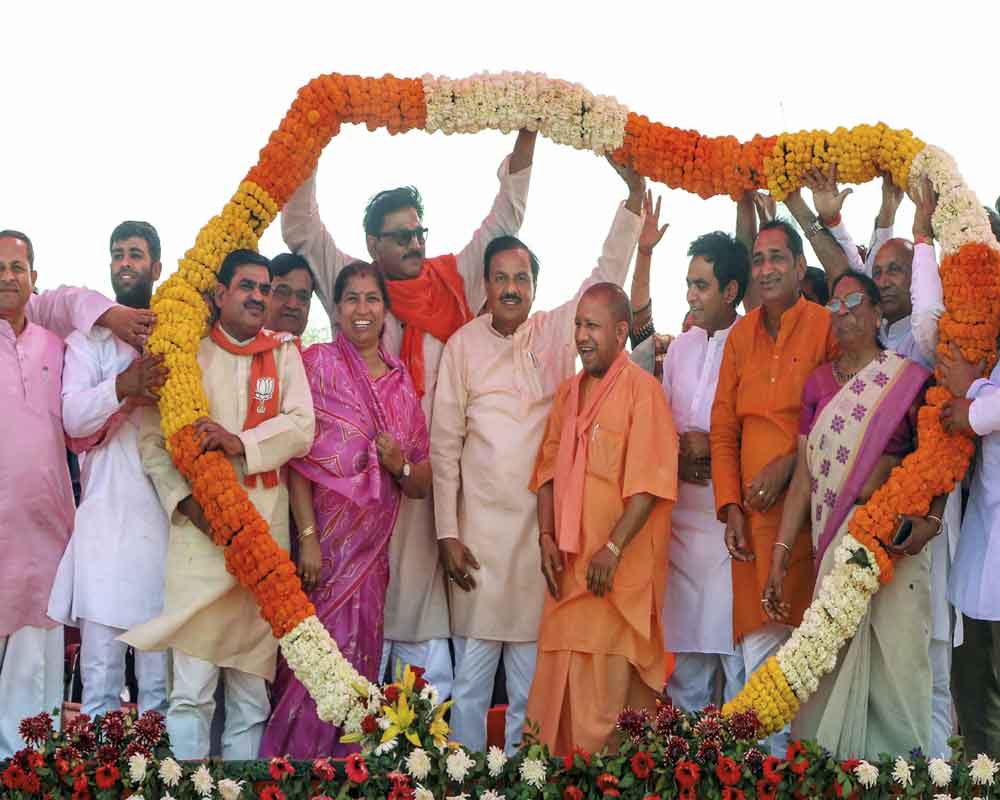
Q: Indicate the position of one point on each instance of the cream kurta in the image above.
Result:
(494, 394)
(206, 613)
(416, 606)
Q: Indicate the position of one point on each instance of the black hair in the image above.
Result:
(388, 201)
(142, 230)
(792, 238)
(283, 263)
(21, 237)
(358, 269)
(728, 257)
(241, 258)
(869, 286)
(816, 278)
(501, 245)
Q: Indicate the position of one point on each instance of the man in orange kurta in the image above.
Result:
(606, 479)
(755, 422)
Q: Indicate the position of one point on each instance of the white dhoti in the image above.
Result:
(31, 680)
(433, 655)
(102, 669)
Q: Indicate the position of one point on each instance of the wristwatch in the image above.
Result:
(815, 228)
(405, 472)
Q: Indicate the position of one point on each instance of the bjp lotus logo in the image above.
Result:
(263, 392)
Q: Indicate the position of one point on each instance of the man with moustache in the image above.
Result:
(111, 575)
(261, 417)
(291, 294)
(496, 382)
(431, 298)
(753, 437)
(606, 479)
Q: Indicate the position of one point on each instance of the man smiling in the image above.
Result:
(291, 294)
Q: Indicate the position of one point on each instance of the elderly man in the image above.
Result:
(292, 287)
(495, 387)
(431, 298)
(111, 575)
(211, 623)
(753, 438)
(606, 480)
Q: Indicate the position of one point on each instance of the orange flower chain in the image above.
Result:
(567, 114)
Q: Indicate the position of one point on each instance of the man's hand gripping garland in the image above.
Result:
(569, 114)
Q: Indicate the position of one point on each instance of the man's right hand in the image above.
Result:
(695, 465)
(458, 560)
(191, 509)
(736, 540)
(826, 198)
(552, 563)
(892, 196)
(140, 378)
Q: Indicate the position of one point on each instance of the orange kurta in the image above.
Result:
(598, 654)
(755, 419)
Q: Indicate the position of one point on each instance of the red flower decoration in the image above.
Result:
(392, 693)
(727, 771)
(368, 724)
(568, 760)
(687, 773)
(687, 793)
(31, 783)
(795, 749)
(419, 681)
(355, 768)
(280, 768)
(272, 792)
(652, 797)
(608, 784)
(324, 770)
(766, 790)
(800, 766)
(13, 776)
(106, 775)
(642, 765)
(771, 772)
(729, 793)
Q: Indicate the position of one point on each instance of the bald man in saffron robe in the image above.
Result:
(606, 480)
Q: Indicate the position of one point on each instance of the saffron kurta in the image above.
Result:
(416, 604)
(598, 654)
(206, 613)
(494, 394)
(755, 419)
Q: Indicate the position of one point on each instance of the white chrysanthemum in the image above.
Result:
(902, 772)
(418, 764)
(867, 774)
(137, 767)
(386, 747)
(462, 796)
(230, 789)
(532, 772)
(982, 770)
(422, 793)
(458, 765)
(489, 794)
(203, 782)
(170, 772)
(939, 771)
(496, 760)
(430, 694)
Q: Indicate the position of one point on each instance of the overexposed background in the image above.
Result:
(135, 110)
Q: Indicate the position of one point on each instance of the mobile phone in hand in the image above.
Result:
(902, 532)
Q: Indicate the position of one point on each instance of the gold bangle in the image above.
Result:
(307, 532)
(616, 551)
(939, 521)
(782, 544)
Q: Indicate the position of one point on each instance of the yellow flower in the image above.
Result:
(439, 728)
(401, 717)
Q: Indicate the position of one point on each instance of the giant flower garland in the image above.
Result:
(569, 114)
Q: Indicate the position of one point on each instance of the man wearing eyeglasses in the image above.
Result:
(431, 299)
(291, 294)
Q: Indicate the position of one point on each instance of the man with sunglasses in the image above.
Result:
(291, 294)
(431, 299)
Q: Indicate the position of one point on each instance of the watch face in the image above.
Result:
(406, 470)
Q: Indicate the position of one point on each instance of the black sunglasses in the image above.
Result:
(404, 236)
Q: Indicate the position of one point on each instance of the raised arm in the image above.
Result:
(749, 208)
(926, 293)
(67, 309)
(835, 256)
(642, 304)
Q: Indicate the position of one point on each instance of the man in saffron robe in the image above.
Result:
(431, 298)
(261, 417)
(606, 479)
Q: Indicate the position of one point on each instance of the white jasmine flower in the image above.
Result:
(137, 767)
(418, 764)
(203, 782)
(902, 772)
(496, 760)
(170, 772)
(982, 769)
(230, 789)
(489, 794)
(533, 772)
(939, 771)
(458, 765)
(422, 793)
(867, 774)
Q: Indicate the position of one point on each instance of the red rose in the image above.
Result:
(418, 672)
(106, 776)
(280, 768)
(572, 793)
(392, 693)
(687, 773)
(354, 766)
(419, 685)
(727, 771)
(642, 765)
(771, 772)
(800, 766)
(324, 770)
(368, 724)
(608, 784)
(766, 790)
(271, 792)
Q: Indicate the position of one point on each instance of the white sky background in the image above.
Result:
(136, 110)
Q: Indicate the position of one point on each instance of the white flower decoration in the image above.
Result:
(462, 796)
(945, 797)
(422, 793)
(386, 747)
(939, 771)
(982, 769)
(137, 767)
(458, 765)
(532, 772)
(489, 794)
(203, 782)
(418, 764)
(230, 789)
(496, 760)
(867, 774)
(902, 772)
(170, 772)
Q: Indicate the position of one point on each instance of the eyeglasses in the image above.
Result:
(283, 292)
(404, 236)
(851, 302)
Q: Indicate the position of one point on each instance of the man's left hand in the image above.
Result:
(958, 374)
(770, 483)
(215, 437)
(921, 533)
(131, 325)
(955, 416)
(601, 572)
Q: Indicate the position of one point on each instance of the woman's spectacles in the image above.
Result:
(403, 237)
(850, 302)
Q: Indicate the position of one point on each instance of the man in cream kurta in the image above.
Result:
(497, 379)
(416, 609)
(211, 623)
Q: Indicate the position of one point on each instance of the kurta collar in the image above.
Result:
(897, 331)
(789, 319)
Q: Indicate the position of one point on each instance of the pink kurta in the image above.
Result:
(36, 498)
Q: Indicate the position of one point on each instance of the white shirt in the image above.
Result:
(112, 571)
(974, 589)
(698, 606)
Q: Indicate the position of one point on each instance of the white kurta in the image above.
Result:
(206, 613)
(112, 570)
(494, 395)
(416, 606)
(698, 606)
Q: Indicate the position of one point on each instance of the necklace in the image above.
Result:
(843, 377)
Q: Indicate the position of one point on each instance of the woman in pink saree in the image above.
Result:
(858, 422)
(371, 447)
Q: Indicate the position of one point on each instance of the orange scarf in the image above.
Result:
(433, 302)
(263, 399)
(571, 462)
